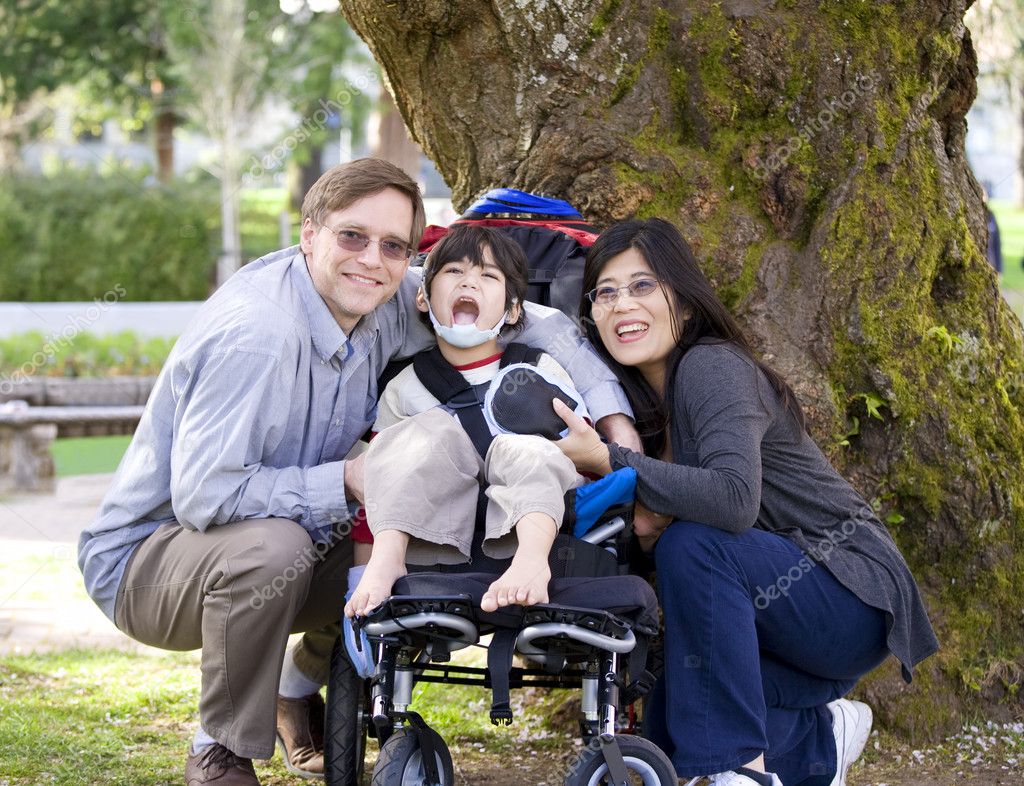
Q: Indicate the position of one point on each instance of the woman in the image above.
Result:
(789, 589)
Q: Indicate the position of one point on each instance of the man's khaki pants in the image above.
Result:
(238, 590)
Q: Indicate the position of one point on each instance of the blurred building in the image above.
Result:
(385, 136)
(995, 138)
(994, 122)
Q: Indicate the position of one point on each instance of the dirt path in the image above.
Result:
(43, 604)
(474, 767)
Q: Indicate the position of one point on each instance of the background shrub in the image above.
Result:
(84, 355)
(79, 235)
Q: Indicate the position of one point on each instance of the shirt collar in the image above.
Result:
(328, 337)
(364, 335)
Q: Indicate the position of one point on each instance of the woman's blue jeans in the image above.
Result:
(758, 639)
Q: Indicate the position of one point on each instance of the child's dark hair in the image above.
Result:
(468, 241)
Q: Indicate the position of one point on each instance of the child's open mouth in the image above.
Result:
(465, 311)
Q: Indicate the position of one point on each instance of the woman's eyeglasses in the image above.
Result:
(350, 240)
(609, 296)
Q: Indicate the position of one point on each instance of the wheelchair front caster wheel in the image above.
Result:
(646, 764)
(400, 762)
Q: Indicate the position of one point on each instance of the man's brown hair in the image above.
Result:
(345, 184)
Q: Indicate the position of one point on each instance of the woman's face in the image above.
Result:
(636, 331)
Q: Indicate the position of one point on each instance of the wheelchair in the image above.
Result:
(593, 635)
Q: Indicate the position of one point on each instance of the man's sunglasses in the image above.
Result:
(350, 240)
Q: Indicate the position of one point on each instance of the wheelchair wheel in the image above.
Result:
(400, 762)
(646, 764)
(345, 724)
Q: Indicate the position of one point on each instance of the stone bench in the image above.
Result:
(77, 391)
(26, 434)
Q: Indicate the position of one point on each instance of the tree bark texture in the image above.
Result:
(166, 121)
(813, 155)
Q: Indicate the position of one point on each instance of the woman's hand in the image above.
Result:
(583, 445)
(648, 526)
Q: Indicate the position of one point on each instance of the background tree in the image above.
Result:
(117, 56)
(813, 153)
(323, 56)
(114, 51)
(220, 55)
(229, 57)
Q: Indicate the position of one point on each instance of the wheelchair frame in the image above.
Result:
(413, 637)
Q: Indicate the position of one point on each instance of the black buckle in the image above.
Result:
(638, 688)
(501, 715)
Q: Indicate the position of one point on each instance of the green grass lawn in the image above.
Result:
(109, 717)
(259, 221)
(84, 717)
(88, 455)
(1010, 218)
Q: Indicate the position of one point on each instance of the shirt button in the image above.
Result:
(337, 422)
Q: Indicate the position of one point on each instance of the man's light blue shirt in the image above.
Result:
(260, 402)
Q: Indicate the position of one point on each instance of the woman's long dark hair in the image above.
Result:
(688, 290)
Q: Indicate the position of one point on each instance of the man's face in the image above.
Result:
(354, 283)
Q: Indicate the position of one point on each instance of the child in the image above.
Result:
(422, 470)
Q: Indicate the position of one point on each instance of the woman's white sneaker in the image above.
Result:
(742, 776)
(851, 725)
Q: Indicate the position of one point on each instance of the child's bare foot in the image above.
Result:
(524, 583)
(386, 566)
(373, 587)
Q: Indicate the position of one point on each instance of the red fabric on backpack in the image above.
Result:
(584, 237)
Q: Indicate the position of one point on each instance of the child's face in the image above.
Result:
(462, 293)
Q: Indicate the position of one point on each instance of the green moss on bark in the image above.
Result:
(963, 389)
(603, 18)
(657, 40)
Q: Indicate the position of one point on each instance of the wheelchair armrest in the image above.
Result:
(606, 531)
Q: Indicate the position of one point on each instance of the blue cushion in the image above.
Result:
(592, 500)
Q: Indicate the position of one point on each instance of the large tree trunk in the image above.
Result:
(813, 153)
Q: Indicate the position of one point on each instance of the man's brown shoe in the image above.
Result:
(219, 766)
(300, 733)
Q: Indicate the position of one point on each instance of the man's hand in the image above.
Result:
(648, 526)
(583, 445)
(618, 428)
(354, 479)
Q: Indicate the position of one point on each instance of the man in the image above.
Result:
(226, 525)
